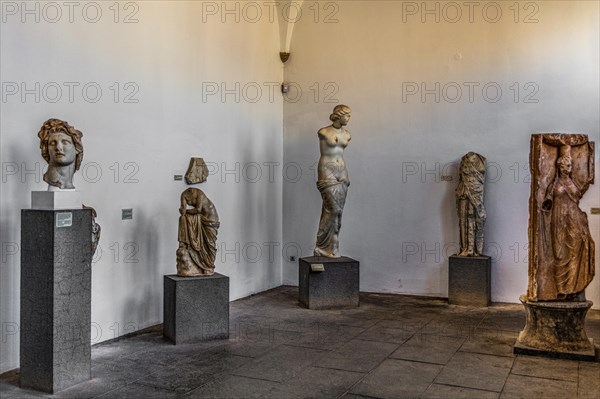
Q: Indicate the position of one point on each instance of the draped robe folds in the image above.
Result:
(200, 235)
(333, 193)
(567, 238)
(471, 187)
(469, 198)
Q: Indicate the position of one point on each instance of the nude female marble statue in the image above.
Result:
(332, 181)
(61, 147)
(198, 227)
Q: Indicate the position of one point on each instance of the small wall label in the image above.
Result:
(126, 214)
(64, 219)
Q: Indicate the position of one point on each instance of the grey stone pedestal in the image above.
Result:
(56, 258)
(196, 308)
(337, 286)
(556, 329)
(469, 280)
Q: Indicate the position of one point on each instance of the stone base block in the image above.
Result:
(337, 286)
(51, 200)
(56, 280)
(196, 308)
(556, 329)
(469, 280)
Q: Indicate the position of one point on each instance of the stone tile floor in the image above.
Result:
(390, 347)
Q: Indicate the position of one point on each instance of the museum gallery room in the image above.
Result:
(300, 199)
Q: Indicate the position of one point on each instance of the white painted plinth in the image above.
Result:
(52, 200)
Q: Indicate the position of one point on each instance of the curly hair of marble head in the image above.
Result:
(58, 126)
(339, 111)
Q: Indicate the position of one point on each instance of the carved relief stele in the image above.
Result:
(561, 249)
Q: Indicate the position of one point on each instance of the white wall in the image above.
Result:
(173, 52)
(400, 220)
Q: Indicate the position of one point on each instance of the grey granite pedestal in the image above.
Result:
(469, 280)
(196, 308)
(556, 329)
(336, 286)
(56, 258)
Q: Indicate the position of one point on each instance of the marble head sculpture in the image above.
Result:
(332, 181)
(469, 204)
(61, 147)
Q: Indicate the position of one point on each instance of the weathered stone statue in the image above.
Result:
(332, 181)
(561, 257)
(197, 171)
(198, 227)
(469, 203)
(61, 147)
(561, 249)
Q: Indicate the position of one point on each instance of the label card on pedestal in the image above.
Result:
(317, 267)
(64, 219)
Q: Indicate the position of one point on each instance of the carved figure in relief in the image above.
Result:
(567, 234)
(561, 248)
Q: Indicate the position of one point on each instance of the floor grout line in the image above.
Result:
(512, 366)
(461, 386)
(441, 323)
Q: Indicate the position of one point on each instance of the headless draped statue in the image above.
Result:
(198, 227)
(332, 181)
(469, 204)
